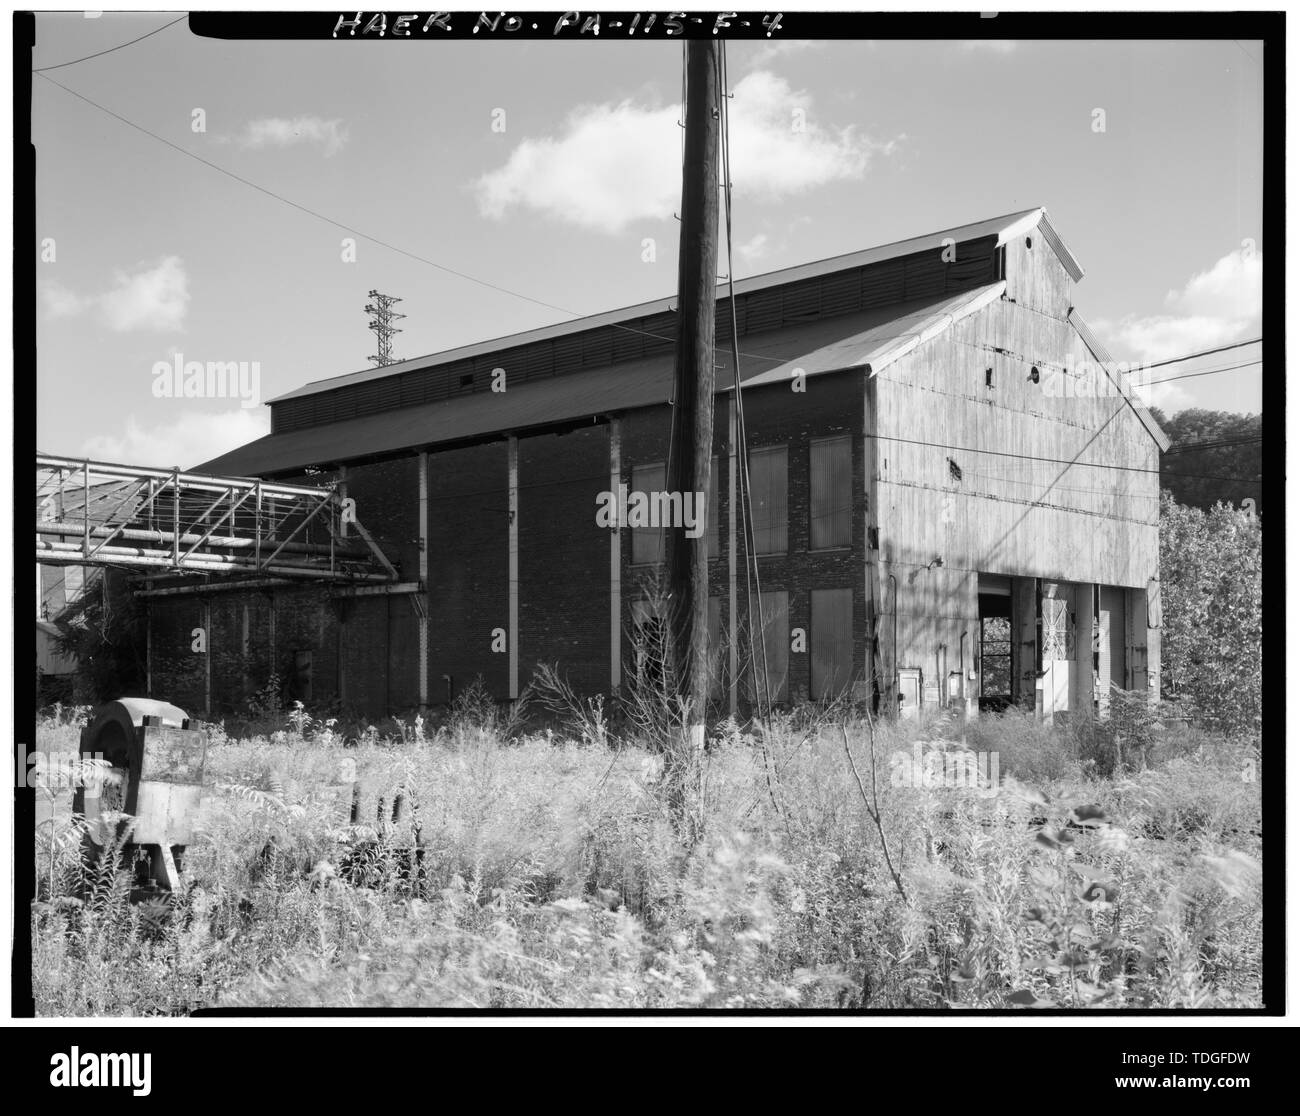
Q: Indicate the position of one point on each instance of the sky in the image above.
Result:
(552, 170)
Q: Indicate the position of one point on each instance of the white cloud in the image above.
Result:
(1215, 307)
(59, 301)
(187, 440)
(1232, 289)
(765, 244)
(753, 249)
(618, 163)
(151, 298)
(272, 131)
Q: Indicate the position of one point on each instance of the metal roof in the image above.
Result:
(870, 338)
(884, 342)
(1004, 228)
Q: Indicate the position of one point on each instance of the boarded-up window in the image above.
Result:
(831, 464)
(767, 481)
(775, 645)
(831, 642)
(648, 542)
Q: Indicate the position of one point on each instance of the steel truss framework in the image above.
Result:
(160, 522)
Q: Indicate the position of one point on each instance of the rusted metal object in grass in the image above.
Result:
(156, 758)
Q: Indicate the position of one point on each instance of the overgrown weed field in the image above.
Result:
(551, 870)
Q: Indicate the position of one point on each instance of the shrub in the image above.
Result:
(1211, 587)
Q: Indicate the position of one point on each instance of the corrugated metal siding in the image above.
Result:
(920, 275)
(821, 346)
(995, 230)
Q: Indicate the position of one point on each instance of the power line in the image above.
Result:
(472, 278)
(120, 46)
(305, 209)
(585, 477)
(484, 282)
(1205, 352)
(367, 236)
(1050, 460)
(754, 589)
(1220, 443)
(1205, 372)
(1246, 52)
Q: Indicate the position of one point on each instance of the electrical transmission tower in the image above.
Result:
(382, 317)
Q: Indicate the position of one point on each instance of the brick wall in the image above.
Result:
(832, 404)
(564, 557)
(388, 506)
(469, 529)
(563, 567)
(177, 672)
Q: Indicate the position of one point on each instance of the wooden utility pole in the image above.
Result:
(692, 416)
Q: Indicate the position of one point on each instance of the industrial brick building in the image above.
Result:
(950, 501)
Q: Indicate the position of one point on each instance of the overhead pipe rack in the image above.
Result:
(160, 521)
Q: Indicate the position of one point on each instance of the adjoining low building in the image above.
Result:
(955, 499)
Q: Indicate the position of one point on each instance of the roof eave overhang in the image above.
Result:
(1099, 351)
(875, 363)
(1047, 231)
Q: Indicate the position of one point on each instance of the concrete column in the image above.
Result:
(1085, 617)
(1142, 640)
(1024, 640)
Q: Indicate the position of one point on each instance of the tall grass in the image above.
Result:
(551, 873)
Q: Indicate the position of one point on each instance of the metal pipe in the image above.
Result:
(85, 511)
(215, 587)
(203, 559)
(230, 542)
(893, 650)
(961, 660)
(200, 481)
(162, 562)
(176, 518)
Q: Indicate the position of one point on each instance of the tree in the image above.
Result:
(1194, 475)
(104, 630)
(1211, 589)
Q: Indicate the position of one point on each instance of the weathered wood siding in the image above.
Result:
(1035, 277)
(1053, 484)
(1058, 479)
